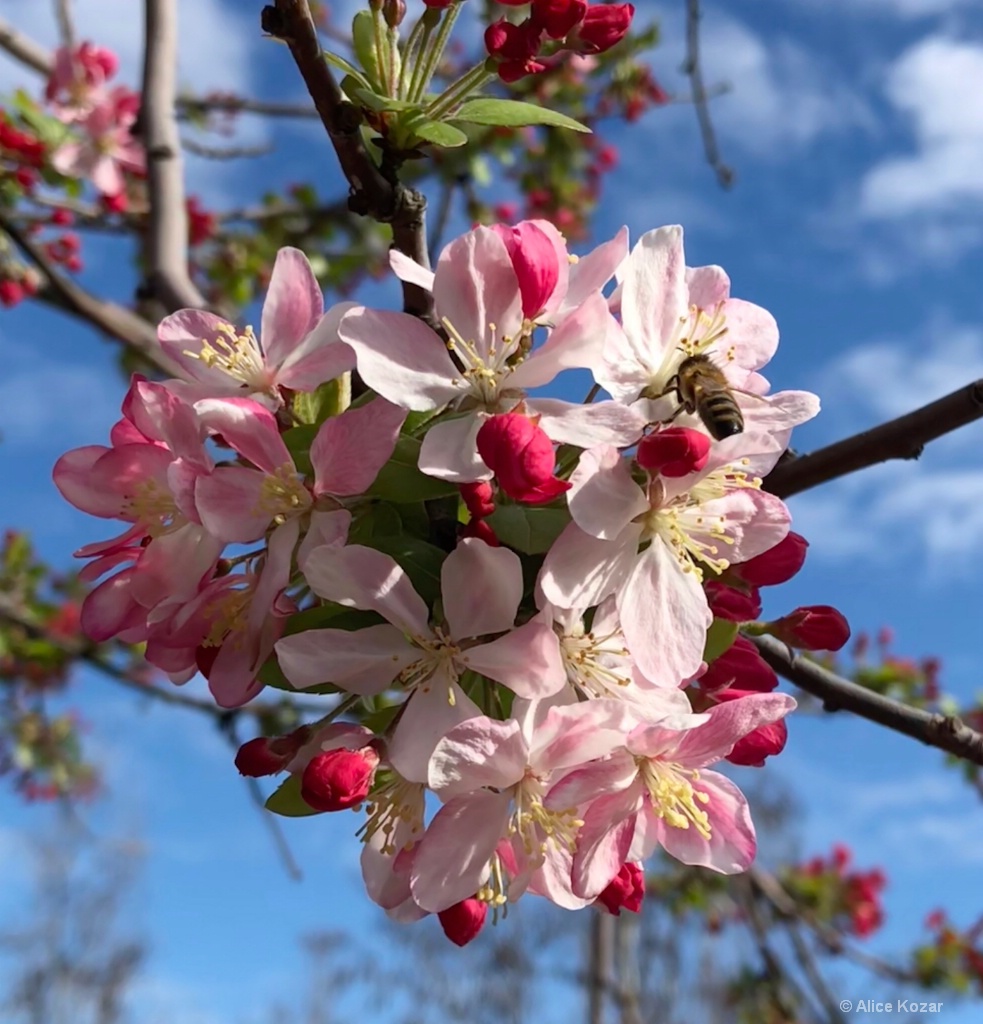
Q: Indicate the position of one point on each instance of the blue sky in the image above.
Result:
(856, 218)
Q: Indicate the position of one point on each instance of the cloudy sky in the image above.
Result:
(856, 133)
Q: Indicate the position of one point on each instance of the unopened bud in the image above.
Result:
(338, 779)
(625, 892)
(267, 755)
(394, 11)
(463, 921)
(813, 628)
(521, 456)
(674, 452)
(535, 262)
(751, 750)
(776, 565)
(741, 667)
(732, 604)
(602, 27)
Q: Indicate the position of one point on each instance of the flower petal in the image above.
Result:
(350, 449)
(292, 307)
(481, 587)
(527, 660)
(654, 296)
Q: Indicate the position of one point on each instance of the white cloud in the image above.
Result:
(934, 85)
(892, 8)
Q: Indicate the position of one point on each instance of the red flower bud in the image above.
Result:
(675, 451)
(535, 262)
(626, 891)
(463, 921)
(521, 457)
(813, 628)
(11, 292)
(765, 741)
(481, 529)
(478, 498)
(776, 565)
(338, 779)
(602, 27)
(62, 217)
(515, 48)
(731, 604)
(267, 755)
(558, 17)
(739, 666)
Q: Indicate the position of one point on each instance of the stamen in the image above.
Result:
(673, 796)
(238, 355)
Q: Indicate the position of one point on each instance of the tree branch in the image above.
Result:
(946, 732)
(373, 193)
(901, 438)
(66, 24)
(167, 245)
(115, 320)
(692, 68)
(229, 104)
(24, 49)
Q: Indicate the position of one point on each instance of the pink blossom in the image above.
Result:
(77, 79)
(298, 349)
(481, 587)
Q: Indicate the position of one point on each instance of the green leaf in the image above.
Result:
(343, 65)
(298, 441)
(374, 101)
(286, 800)
(420, 560)
(314, 407)
(438, 132)
(363, 44)
(720, 636)
(400, 480)
(529, 530)
(379, 521)
(513, 114)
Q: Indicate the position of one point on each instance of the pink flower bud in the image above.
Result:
(514, 48)
(267, 755)
(625, 892)
(338, 779)
(521, 457)
(481, 529)
(776, 565)
(739, 666)
(675, 451)
(767, 740)
(535, 263)
(813, 628)
(602, 27)
(732, 604)
(558, 17)
(463, 921)
(394, 11)
(11, 292)
(478, 498)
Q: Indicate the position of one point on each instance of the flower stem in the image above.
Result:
(416, 46)
(431, 57)
(457, 92)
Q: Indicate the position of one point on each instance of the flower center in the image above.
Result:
(696, 333)
(238, 355)
(283, 495)
(396, 810)
(229, 616)
(439, 653)
(596, 666)
(536, 825)
(672, 794)
(153, 507)
(482, 373)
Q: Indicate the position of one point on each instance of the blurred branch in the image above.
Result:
(115, 320)
(692, 68)
(188, 106)
(224, 152)
(946, 732)
(66, 24)
(167, 244)
(24, 49)
(372, 193)
(901, 438)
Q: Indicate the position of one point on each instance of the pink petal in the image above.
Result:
(654, 295)
(604, 840)
(588, 425)
(293, 305)
(249, 428)
(229, 503)
(321, 356)
(578, 733)
(584, 785)
(410, 271)
(361, 577)
(401, 358)
(481, 587)
(580, 570)
(593, 271)
(110, 609)
(728, 723)
(604, 498)
(364, 661)
(450, 449)
(73, 477)
(707, 286)
(752, 333)
(476, 754)
(173, 566)
(185, 332)
(328, 528)
(527, 660)
(350, 449)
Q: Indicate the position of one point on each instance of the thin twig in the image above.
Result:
(66, 24)
(27, 51)
(115, 320)
(692, 68)
(373, 193)
(946, 732)
(188, 106)
(224, 152)
(901, 438)
(167, 244)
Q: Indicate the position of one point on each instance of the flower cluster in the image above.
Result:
(521, 586)
(849, 900)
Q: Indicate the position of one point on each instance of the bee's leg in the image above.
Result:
(671, 385)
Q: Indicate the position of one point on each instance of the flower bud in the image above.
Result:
(338, 779)
(813, 628)
(767, 740)
(675, 451)
(740, 666)
(535, 262)
(558, 17)
(776, 565)
(626, 891)
(463, 921)
(602, 27)
(267, 755)
(521, 457)
(481, 529)
(514, 48)
(732, 604)
(394, 11)
(478, 498)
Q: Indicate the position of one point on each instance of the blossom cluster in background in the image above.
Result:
(525, 607)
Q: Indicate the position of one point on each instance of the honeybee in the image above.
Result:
(702, 388)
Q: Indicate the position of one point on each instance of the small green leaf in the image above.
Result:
(314, 407)
(298, 441)
(380, 520)
(400, 480)
(513, 114)
(374, 101)
(440, 134)
(720, 636)
(364, 45)
(529, 530)
(286, 800)
(350, 70)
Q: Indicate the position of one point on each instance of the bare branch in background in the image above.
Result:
(902, 438)
(692, 68)
(372, 193)
(27, 51)
(66, 24)
(115, 320)
(167, 245)
(946, 732)
(189, 106)
(224, 152)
